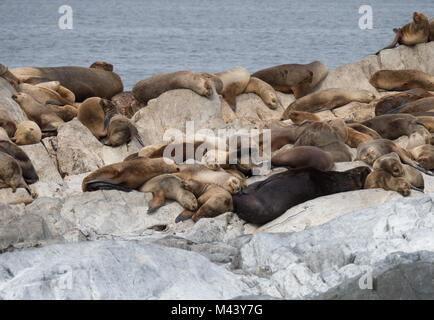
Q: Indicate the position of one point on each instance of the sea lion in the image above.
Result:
(83, 82)
(10, 173)
(428, 122)
(328, 99)
(46, 119)
(203, 174)
(91, 114)
(266, 200)
(401, 80)
(212, 199)
(215, 80)
(283, 136)
(364, 129)
(424, 155)
(391, 163)
(388, 104)
(28, 132)
(265, 91)
(298, 117)
(126, 104)
(304, 156)
(417, 107)
(386, 181)
(235, 82)
(66, 112)
(287, 78)
(43, 94)
(9, 126)
(168, 186)
(152, 87)
(102, 65)
(9, 76)
(120, 131)
(356, 137)
(412, 33)
(372, 150)
(28, 171)
(339, 126)
(128, 175)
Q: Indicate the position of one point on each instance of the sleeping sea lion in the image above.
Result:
(401, 80)
(304, 156)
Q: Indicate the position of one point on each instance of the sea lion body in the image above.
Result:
(287, 78)
(424, 155)
(401, 80)
(83, 82)
(265, 91)
(152, 87)
(120, 131)
(304, 156)
(43, 94)
(168, 186)
(390, 103)
(372, 150)
(127, 175)
(91, 114)
(266, 200)
(418, 106)
(46, 119)
(28, 171)
(66, 112)
(28, 132)
(9, 126)
(212, 199)
(328, 99)
(234, 82)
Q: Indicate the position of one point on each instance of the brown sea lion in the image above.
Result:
(43, 94)
(412, 33)
(28, 171)
(298, 117)
(66, 112)
(46, 119)
(401, 80)
(102, 65)
(9, 126)
(212, 199)
(288, 78)
(152, 87)
(355, 138)
(10, 173)
(207, 176)
(388, 104)
(83, 82)
(265, 91)
(386, 181)
(424, 155)
(328, 99)
(428, 122)
(234, 82)
(215, 80)
(91, 114)
(168, 186)
(319, 71)
(128, 175)
(304, 156)
(364, 129)
(418, 106)
(266, 200)
(28, 132)
(126, 104)
(339, 126)
(9, 76)
(120, 131)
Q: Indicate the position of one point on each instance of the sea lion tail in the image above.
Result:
(103, 184)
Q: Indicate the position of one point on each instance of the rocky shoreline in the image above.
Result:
(103, 245)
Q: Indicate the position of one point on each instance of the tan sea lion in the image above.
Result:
(265, 91)
(120, 131)
(9, 126)
(42, 94)
(207, 176)
(412, 33)
(65, 93)
(91, 114)
(152, 87)
(66, 112)
(401, 80)
(28, 132)
(298, 117)
(46, 119)
(287, 78)
(328, 99)
(212, 199)
(304, 156)
(168, 186)
(390, 103)
(384, 180)
(424, 155)
(83, 82)
(418, 106)
(235, 82)
(127, 175)
(28, 171)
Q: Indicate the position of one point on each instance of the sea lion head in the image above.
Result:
(19, 97)
(419, 17)
(233, 185)
(403, 187)
(390, 163)
(367, 154)
(102, 65)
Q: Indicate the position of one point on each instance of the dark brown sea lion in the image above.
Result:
(266, 200)
(120, 131)
(401, 80)
(9, 126)
(386, 181)
(83, 82)
(127, 175)
(431, 29)
(388, 104)
(412, 33)
(152, 87)
(168, 186)
(418, 106)
(28, 171)
(287, 78)
(328, 99)
(304, 156)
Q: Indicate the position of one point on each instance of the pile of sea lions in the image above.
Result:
(204, 182)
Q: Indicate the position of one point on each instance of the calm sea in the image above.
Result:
(145, 37)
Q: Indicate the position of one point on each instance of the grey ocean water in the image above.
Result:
(146, 37)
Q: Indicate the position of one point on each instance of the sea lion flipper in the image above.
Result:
(137, 135)
(185, 215)
(104, 184)
(49, 128)
(158, 200)
(55, 103)
(393, 44)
